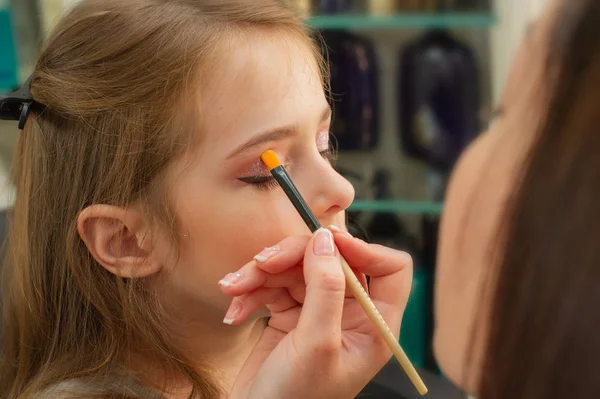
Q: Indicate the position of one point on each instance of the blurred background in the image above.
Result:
(413, 81)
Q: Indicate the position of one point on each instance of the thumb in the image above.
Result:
(321, 317)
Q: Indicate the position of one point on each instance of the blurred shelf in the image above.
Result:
(404, 207)
(8, 61)
(468, 20)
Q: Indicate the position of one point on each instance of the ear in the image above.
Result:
(120, 240)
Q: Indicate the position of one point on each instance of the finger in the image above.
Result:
(276, 299)
(290, 253)
(390, 271)
(287, 254)
(285, 321)
(362, 279)
(325, 291)
(251, 277)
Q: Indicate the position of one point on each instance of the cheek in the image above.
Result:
(222, 229)
(225, 232)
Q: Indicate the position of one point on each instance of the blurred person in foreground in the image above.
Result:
(518, 288)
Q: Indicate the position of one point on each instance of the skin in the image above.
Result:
(476, 199)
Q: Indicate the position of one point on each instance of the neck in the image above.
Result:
(221, 348)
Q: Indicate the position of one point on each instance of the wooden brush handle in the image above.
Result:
(365, 301)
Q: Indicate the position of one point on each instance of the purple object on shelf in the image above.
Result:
(354, 86)
(334, 6)
(438, 99)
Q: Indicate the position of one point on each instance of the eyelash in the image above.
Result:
(265, 183)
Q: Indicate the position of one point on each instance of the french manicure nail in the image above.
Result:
(266, 254)
(231, 279)
(338, 230)
(234, 311)
(406, 257)
(323, 244)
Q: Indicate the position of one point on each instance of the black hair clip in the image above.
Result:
(16, 106)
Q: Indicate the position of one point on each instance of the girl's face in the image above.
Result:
(266, 94)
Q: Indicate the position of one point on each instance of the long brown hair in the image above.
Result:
(119, 81)
(544, 339)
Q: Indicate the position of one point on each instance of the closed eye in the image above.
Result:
(266, 182)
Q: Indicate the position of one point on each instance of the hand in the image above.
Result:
(319, 342)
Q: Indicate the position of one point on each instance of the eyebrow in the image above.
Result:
(276, 134)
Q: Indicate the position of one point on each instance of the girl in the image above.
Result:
(140, 187)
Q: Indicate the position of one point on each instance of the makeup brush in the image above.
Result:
(278, 171)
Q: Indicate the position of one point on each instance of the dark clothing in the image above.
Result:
(392, 383)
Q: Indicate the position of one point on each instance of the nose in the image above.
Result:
(327, 192)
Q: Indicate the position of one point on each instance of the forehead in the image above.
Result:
(261, 81)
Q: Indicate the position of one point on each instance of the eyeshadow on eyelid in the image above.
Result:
(258, 168)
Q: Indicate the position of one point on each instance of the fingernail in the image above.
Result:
(323, 244)
(266, 254)
(231, 279)
(338, 230)
(407, 258)
(233, 312)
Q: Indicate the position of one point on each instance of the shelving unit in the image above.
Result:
(385, 27)
(404, 21)
(8, 61)
(404, 207)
